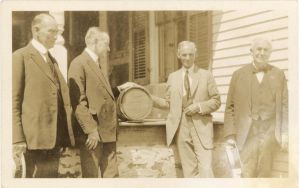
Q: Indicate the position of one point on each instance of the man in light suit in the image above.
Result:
(41, 104)
(256, 112)
(93, 101)
(191, 96)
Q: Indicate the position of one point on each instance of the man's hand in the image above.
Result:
(230, 140)
(18, 150)
(127, 85)
(192, 109)
(284, 142)
(92, 140)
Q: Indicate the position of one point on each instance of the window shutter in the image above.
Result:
(140, 47)
(200, 34)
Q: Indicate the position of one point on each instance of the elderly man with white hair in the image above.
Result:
(256, 114)
(191, 96)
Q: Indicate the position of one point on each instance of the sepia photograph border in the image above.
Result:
(6, 9)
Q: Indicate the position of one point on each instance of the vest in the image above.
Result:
(262, 99)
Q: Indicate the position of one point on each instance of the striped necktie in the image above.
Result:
(52, 68)
(187, 84)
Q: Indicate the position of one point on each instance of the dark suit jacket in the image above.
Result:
(205, 94)
(238, 107)
(92, 99)
(34, 100)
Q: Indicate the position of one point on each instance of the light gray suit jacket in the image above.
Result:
(205, 94)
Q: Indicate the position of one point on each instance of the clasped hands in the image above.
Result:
(192, 109)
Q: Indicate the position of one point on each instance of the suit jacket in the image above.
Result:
(238, 107)
(92, 99)
(34, 100)
(205, 94)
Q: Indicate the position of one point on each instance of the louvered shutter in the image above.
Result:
(140, 47)
(200, 34)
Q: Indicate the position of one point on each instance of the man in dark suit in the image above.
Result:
(41, 104)
(256, 114)
(192, 96)
(93, 101)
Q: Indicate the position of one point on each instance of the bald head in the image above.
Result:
(44, 29)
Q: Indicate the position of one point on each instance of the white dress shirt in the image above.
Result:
(259, 75)
(40, 48)
(93, 55)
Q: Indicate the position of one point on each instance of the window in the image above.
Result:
(200, 33)
(140, 47)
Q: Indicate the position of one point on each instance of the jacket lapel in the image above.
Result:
(40, 62)
(195, 80)
(99, 74)
(249, 77)
(179, 82)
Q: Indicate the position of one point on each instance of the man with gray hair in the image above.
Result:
(40, 102)
(93, 101)
(191, 96)
(256, 114)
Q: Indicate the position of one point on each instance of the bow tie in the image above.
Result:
(260, 69)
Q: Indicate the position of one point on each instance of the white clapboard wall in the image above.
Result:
(233, 32)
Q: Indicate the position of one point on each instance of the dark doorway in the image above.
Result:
(76, 25)
(21, 27)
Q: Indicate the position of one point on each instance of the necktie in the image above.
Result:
(61, 116)
(52, 68)
(103, 72)
(260, 68)
(186, 99)
(99, 64)
(187, 84)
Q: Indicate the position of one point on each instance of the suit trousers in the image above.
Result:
(42, 163)
(257, 153)
(100, 162)
(195, 159)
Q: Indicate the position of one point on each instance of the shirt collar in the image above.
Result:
(255, 69)
(189, 70)
(92, 54)
(39, 46)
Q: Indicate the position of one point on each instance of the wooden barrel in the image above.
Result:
(134, 104)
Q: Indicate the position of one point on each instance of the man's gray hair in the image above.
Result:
(261, 39)
(186, 43)
(95, 34)
(39, 19)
